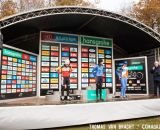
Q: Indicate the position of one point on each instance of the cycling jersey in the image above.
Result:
(65, 70)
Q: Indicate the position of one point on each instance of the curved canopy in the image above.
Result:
(131, 36)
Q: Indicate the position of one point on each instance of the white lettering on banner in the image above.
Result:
(126, 127)
(112, 126)
(150, 126)
(94, 42)
(97, 126)
(63, 38)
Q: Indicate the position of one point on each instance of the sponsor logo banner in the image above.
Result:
(44, 75)
(84, 70)
(92, 80)
(45, 63)
(73, 85)
(84, 64)
(108, 61)
(45, 69)
(45, 58)
(54, 80)
(108, 65)
(54, 86)
(54, 48)
(65, 49)
(73, 54)
(85, 55)
(54, 54)
(108, 80)
(85, 75)
(92, 55)
(45, 47)
(84, 59)
(101, 51)
(45, 53)
(108, 52)
(54, 75)
(73, 59)
(73, 80)
(44, 80)
(73, 49)
(100, 55)
(84, 85)
(73, 75)
(84, 49)
(65, 54)
(74, 65)
(45, 86)
(84, 80)
(96, 41)
(54, 59)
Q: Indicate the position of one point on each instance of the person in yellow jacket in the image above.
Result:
(65, 70)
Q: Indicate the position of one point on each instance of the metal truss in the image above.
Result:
(76, 10)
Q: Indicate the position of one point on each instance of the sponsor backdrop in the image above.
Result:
(106, 55)
(88, 61)
(18, 74)
(137, 75)
(49, 62)
(66, 46)
(98, 48)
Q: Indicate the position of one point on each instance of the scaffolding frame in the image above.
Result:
(8, 21)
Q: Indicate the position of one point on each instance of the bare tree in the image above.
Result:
(27, 5)
(7, 8)
(85, 3)
(147, 12)
(10, 7)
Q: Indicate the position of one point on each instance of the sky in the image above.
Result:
(114, 5)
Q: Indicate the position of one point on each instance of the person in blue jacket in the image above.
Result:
(122, 74)
(98, 73)
(123, 77)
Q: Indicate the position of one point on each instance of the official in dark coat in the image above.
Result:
(156, 76)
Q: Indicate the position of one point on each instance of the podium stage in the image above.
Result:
(37, 113)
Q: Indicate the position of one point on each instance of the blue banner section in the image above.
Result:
(109, 80)
(65, 54)
(14, 77)
(33, 58)
(65, 38)
(91, 75)
(19, 61)
(54, 75)
(107, 51)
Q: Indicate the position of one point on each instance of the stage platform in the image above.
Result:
(37, 113)
(34, 101)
